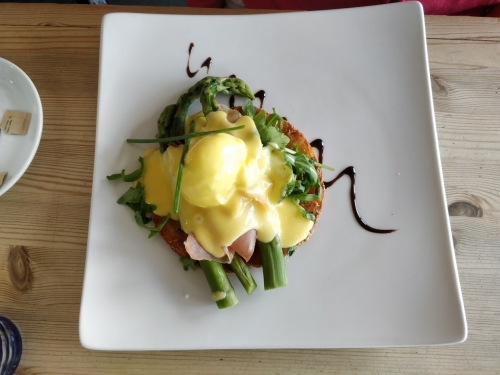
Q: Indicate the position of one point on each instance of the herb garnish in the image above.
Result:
(152, 230)
(269, 128)
(134, 197)
(185, 136)
(304, 177)
(188, 263)
(177, 196)
(131, 177)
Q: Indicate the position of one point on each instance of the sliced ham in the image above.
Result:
(197, 252)
(243, 245)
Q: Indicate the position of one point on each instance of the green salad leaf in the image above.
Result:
(134, 198)
(131, 177)
(188, 263)
(269, 128)
(305, 177)
(152, 230)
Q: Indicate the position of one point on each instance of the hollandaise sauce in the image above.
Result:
(231, 184)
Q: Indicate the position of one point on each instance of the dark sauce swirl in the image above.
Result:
(350, 171)
(352, 174)
(261, 95)
(206, 64)
(231, 98)
(318, 145)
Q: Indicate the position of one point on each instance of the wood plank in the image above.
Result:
(53, 15)
(87, 16)
(462, 28)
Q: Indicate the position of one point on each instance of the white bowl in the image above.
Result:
(17, 92)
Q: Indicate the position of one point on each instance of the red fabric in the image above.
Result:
(455, 6)
(494, 12)
(468, 7)
(486, 11)
(205, 3)
(309, 4)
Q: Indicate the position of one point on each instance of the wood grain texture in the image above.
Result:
(67, 15)
(470, 28)
(47, 211)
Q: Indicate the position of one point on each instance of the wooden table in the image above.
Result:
(47, 211)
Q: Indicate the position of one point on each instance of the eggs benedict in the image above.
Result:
(227, 188)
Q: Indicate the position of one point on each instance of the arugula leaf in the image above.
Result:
(275, 120)
(303, 166)
(152, 230)
(260, 120)
(305, 214)
(304, 179)
(271, 134)
(305, 197)
(134, 197)
(248, 108)
(131, 177)
(269, 128)
(188, 263)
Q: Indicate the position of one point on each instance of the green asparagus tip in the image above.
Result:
(239, 267)
(222, 290)
(273, 264)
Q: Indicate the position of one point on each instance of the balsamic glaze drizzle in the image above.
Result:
(350, 171)
(318, 145)
(261, 94)
(231, 98)
(352, 174)
(206, 64)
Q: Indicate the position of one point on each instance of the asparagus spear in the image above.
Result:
(273, 264)
(173, 117)
(241, 270)
(166, 117)
(222, 290)
(225, 86)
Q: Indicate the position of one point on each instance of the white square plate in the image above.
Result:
(356, 78)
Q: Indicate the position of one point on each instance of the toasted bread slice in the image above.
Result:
(175, 237)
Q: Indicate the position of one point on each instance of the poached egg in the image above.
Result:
(231, 184)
